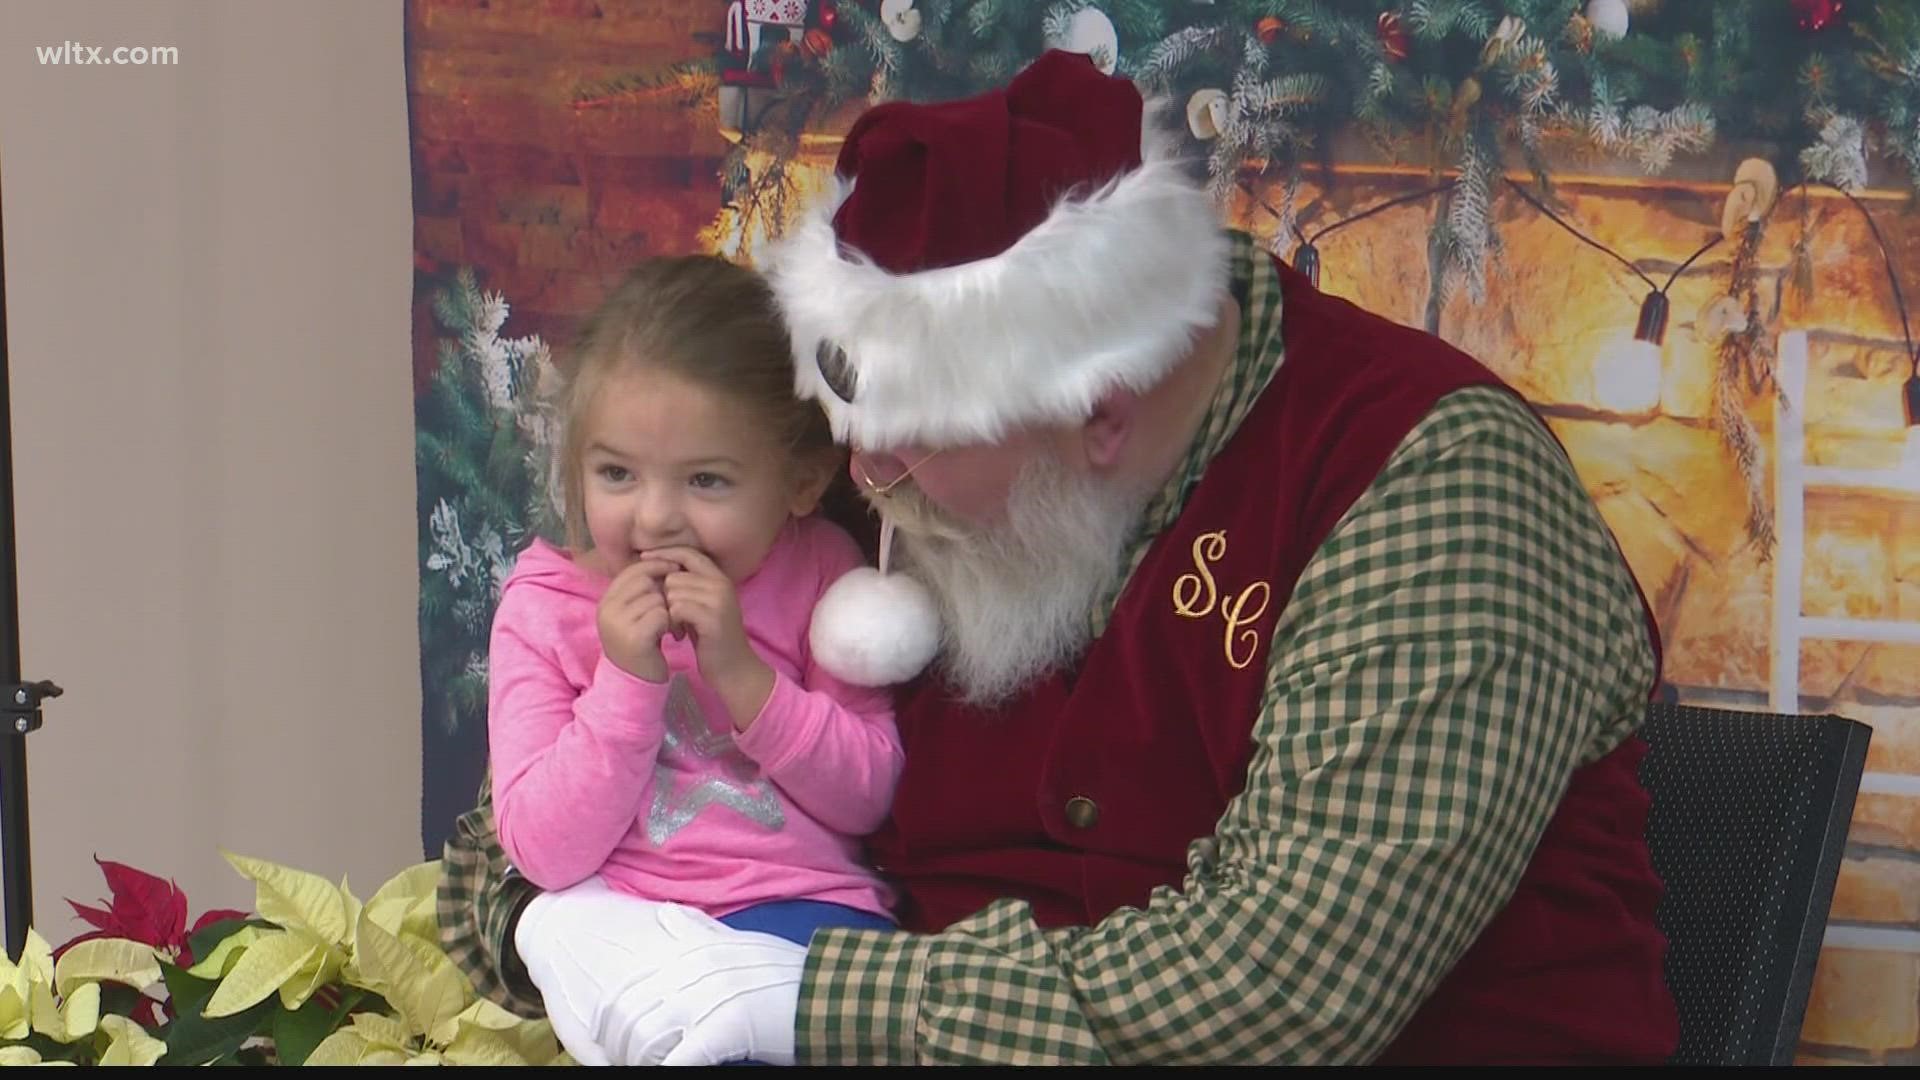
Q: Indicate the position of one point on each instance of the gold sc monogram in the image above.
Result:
(1195, 596)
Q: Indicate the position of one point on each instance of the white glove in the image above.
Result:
(715, 995)
(628, 981)
(572, 943)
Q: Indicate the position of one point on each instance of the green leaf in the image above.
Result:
(118, 999)
(297, 1032)
(351, 998)
(202, 944)
(217, 964)
(54, 1051)
(194, 1039)
(187, 992)
(368, 1001)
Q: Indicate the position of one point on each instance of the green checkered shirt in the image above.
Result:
(1465, 638)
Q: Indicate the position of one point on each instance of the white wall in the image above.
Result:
(208, 273)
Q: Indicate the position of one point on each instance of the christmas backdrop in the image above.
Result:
(1682, 228)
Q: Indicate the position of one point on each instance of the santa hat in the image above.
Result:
(999, 260)
(982, 264)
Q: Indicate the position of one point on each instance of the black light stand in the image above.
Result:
(19, 701)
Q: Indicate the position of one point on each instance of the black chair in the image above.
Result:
(1749, 822)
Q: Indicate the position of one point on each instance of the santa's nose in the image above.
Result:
(876, 469)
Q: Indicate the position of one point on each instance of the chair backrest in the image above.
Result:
(1749, 821)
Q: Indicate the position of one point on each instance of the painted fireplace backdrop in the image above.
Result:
(1543, 167)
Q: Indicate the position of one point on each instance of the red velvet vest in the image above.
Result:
(1084, 793)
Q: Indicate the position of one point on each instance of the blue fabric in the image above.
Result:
(796, 920)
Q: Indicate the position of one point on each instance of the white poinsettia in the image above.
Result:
(61, 1001)
(390, 945)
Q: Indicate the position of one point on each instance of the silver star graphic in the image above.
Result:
(692, 745)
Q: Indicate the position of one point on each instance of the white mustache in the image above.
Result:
(1016, 597)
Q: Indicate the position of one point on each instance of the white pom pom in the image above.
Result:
(874, 629)
(1609, 17)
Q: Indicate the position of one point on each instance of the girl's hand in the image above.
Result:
(701, 598)
(634, 617)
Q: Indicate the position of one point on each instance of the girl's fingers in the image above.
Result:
(692, 560)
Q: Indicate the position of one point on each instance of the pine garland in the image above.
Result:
(1438, 20)
(1470, 232)
(1139, 20)
(1840, 157)
(1892, 57)
(483, 451)
(1177, 50)
(1522, 76)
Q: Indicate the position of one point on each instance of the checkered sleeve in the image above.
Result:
(1467, 636)
(476, 902)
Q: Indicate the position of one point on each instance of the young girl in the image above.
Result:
(655, 717)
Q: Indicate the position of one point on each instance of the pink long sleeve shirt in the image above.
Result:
(597, 771)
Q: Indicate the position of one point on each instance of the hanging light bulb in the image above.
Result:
(1628, 372)
(1910, 397)
(1306, 259)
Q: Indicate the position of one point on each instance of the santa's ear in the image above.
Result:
(1104, 435)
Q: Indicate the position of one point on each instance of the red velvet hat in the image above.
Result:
(997, 260)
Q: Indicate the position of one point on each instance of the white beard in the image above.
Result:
(1017, 600)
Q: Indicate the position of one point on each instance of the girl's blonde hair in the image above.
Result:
(703, 319)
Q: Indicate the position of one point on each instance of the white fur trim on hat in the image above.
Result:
(1110, 290)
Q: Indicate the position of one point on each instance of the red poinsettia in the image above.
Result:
(146, 909)
(151, 911)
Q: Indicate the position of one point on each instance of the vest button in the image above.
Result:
(1082, 812)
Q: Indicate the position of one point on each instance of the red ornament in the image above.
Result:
(1817, 15)
(1393, 36)
(1269, 28)
(783, 54)
(829, 15)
